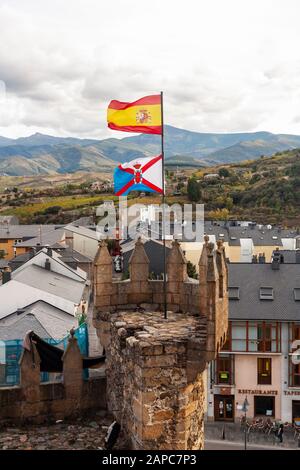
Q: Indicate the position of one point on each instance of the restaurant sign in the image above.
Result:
(257, 392)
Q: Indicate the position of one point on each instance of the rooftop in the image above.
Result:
(25, 231)
(51, 282)
(50, 237)
(256, 291)
(45, 319)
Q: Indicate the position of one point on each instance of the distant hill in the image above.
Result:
(44, 154)
(255, 148)
(184, 161)
(265, 189)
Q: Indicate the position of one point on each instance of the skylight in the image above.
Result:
(297, 293)
(266, 293)
(234, 293)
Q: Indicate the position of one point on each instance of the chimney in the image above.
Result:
(261, 258)
(254, 259)
(6, 275)
(276, 261)
(49, 252)
(73, 264)
(47, 265)
(298, 256)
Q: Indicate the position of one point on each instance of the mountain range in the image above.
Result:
(45, 154)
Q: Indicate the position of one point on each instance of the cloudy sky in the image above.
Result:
(224, 66)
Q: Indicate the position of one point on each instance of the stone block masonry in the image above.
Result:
(155, 366)
(33, 402)
(148, 379)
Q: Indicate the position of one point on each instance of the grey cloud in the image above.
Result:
(61, 69)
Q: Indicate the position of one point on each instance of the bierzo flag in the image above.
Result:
(143, 115)
(141, 174)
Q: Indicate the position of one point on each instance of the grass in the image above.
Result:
(25, 212)
(65, 202)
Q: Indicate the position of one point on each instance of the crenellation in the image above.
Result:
(155, 366)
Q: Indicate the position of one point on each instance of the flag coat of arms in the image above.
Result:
(143, 115)
(141, 174)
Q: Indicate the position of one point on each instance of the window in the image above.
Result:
(297, 293)
(294, 369)
(233, 293)
(295, 375)
(239, 336)
(264, 371)
(3, 240)
(294, 332)
(253, 337)
(264, 406)
(264, 337)
(266, 293)
(224, 369)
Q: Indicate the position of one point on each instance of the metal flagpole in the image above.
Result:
(163, 201)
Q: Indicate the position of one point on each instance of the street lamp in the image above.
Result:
(245, 409)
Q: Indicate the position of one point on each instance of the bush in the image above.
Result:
(52, 210)
(191, 270)
(224, 172)
(193, 190)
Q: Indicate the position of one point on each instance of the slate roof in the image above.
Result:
(260, 235)
(51, 282)
(154, 250)
(89, 232)
(24, 231)
(250, 277)
(45, 319)
(289, 256)
(21, 326)
(66, 255)
(48, 238)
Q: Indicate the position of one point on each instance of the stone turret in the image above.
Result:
(156, 366)
(102, 277)
(176, 265)
(139, 263)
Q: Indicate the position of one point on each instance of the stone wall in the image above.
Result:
(151, 390)
(35, 402)
(155, 366)
(207, 297)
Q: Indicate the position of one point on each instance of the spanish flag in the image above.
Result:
(143, 115)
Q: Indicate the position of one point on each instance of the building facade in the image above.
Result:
(257, 360)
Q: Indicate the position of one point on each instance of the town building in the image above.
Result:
(8, 220)
(43, 294)
(44, 277)
(256, 361)
(242, 242)
(84, 240)
(12, 235)
(67, 255)
(48, 238)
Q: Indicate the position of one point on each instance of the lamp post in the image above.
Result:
(245, 409)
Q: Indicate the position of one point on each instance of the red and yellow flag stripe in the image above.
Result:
(143, 115)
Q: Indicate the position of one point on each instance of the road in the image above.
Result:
(226, 445)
